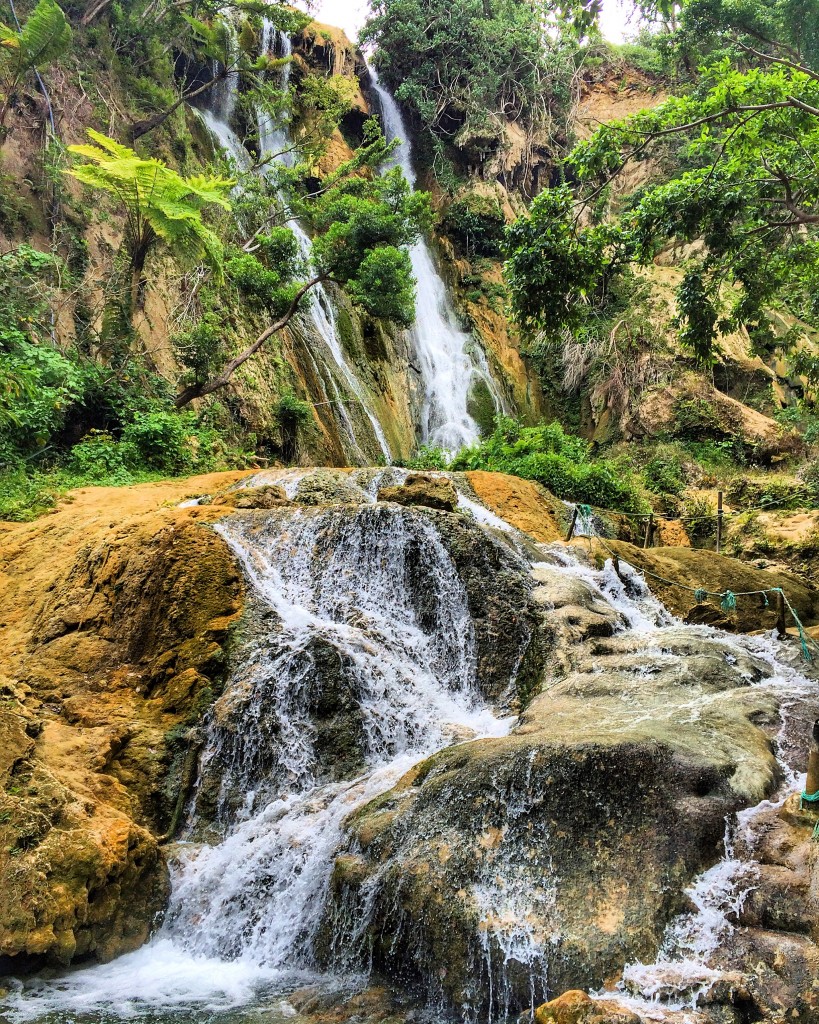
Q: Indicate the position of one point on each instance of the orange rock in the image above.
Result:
(522, 503)
(575, 1007)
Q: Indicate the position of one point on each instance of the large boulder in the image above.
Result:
(548, 859)
(423, 489)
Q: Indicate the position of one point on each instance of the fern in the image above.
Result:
(160, 206)
(44, 39)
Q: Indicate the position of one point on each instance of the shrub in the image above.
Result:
(559, 461)
(476, 225)
(100, 457)
(292, 413)
(428, 457)
(664, 474)
(700, 517)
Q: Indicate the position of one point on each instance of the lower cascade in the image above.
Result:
(458, 762)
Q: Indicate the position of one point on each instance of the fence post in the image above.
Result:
(572, 525)
(780, 615)
(720, 514)
(649, 531)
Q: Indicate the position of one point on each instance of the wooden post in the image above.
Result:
(780, 616)
(572, 525)
(615, 561)
(720, 514)
(812, 780)
(649, 531)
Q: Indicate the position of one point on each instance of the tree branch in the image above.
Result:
(222, 378)
(771, 59)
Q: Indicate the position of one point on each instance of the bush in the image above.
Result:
(292, 414)
(427, 457)
(559, 461)
(100, 457)
(700, 517)
(664, 474)
(476, 225)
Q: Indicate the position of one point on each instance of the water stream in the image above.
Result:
(450, 361)
(276, 146)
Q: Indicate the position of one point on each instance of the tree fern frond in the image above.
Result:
(46, 35)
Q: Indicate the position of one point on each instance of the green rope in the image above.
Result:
(729, 601)
(700, 595)
(585, 511)
(809, 798)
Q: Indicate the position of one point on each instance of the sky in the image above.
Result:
(351, 14)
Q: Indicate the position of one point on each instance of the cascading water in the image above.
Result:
(450, 361)
(363, 600)
(376, 589)
(276, 147)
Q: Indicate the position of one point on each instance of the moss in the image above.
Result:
(481, 405)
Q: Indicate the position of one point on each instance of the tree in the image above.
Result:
(362, 225)
(466, 69)
(745, 188)
(45, 37)
(160, 206)
(229, 52)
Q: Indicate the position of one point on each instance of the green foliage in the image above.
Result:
(293, 414)
(555, 269)
(559, 461)
(383, 285)
(745, 188)
(476, 225)
(159, 204)
(700, 516)
(466, 68)
(43, 39)
(428, 457)
(665, 474)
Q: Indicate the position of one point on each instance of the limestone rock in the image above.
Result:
(423, 489)
(116, 612)
(583, 826)
(575, 1007)
(694, 567)
(268, 496)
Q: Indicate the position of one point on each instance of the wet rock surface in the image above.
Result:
(116, 612)
(423, 489)
(496, 874)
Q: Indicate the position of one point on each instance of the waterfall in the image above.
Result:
(274, 144)
(450, 361)
(375, 588)
(361, 603)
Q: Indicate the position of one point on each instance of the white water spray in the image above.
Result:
(450, 361)
(276, 146)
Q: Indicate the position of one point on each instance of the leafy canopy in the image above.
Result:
(466, 69)
(743, 195)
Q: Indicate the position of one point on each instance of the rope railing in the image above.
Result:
(728, 599)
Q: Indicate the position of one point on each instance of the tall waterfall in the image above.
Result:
(276, 145)
(449, 360)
